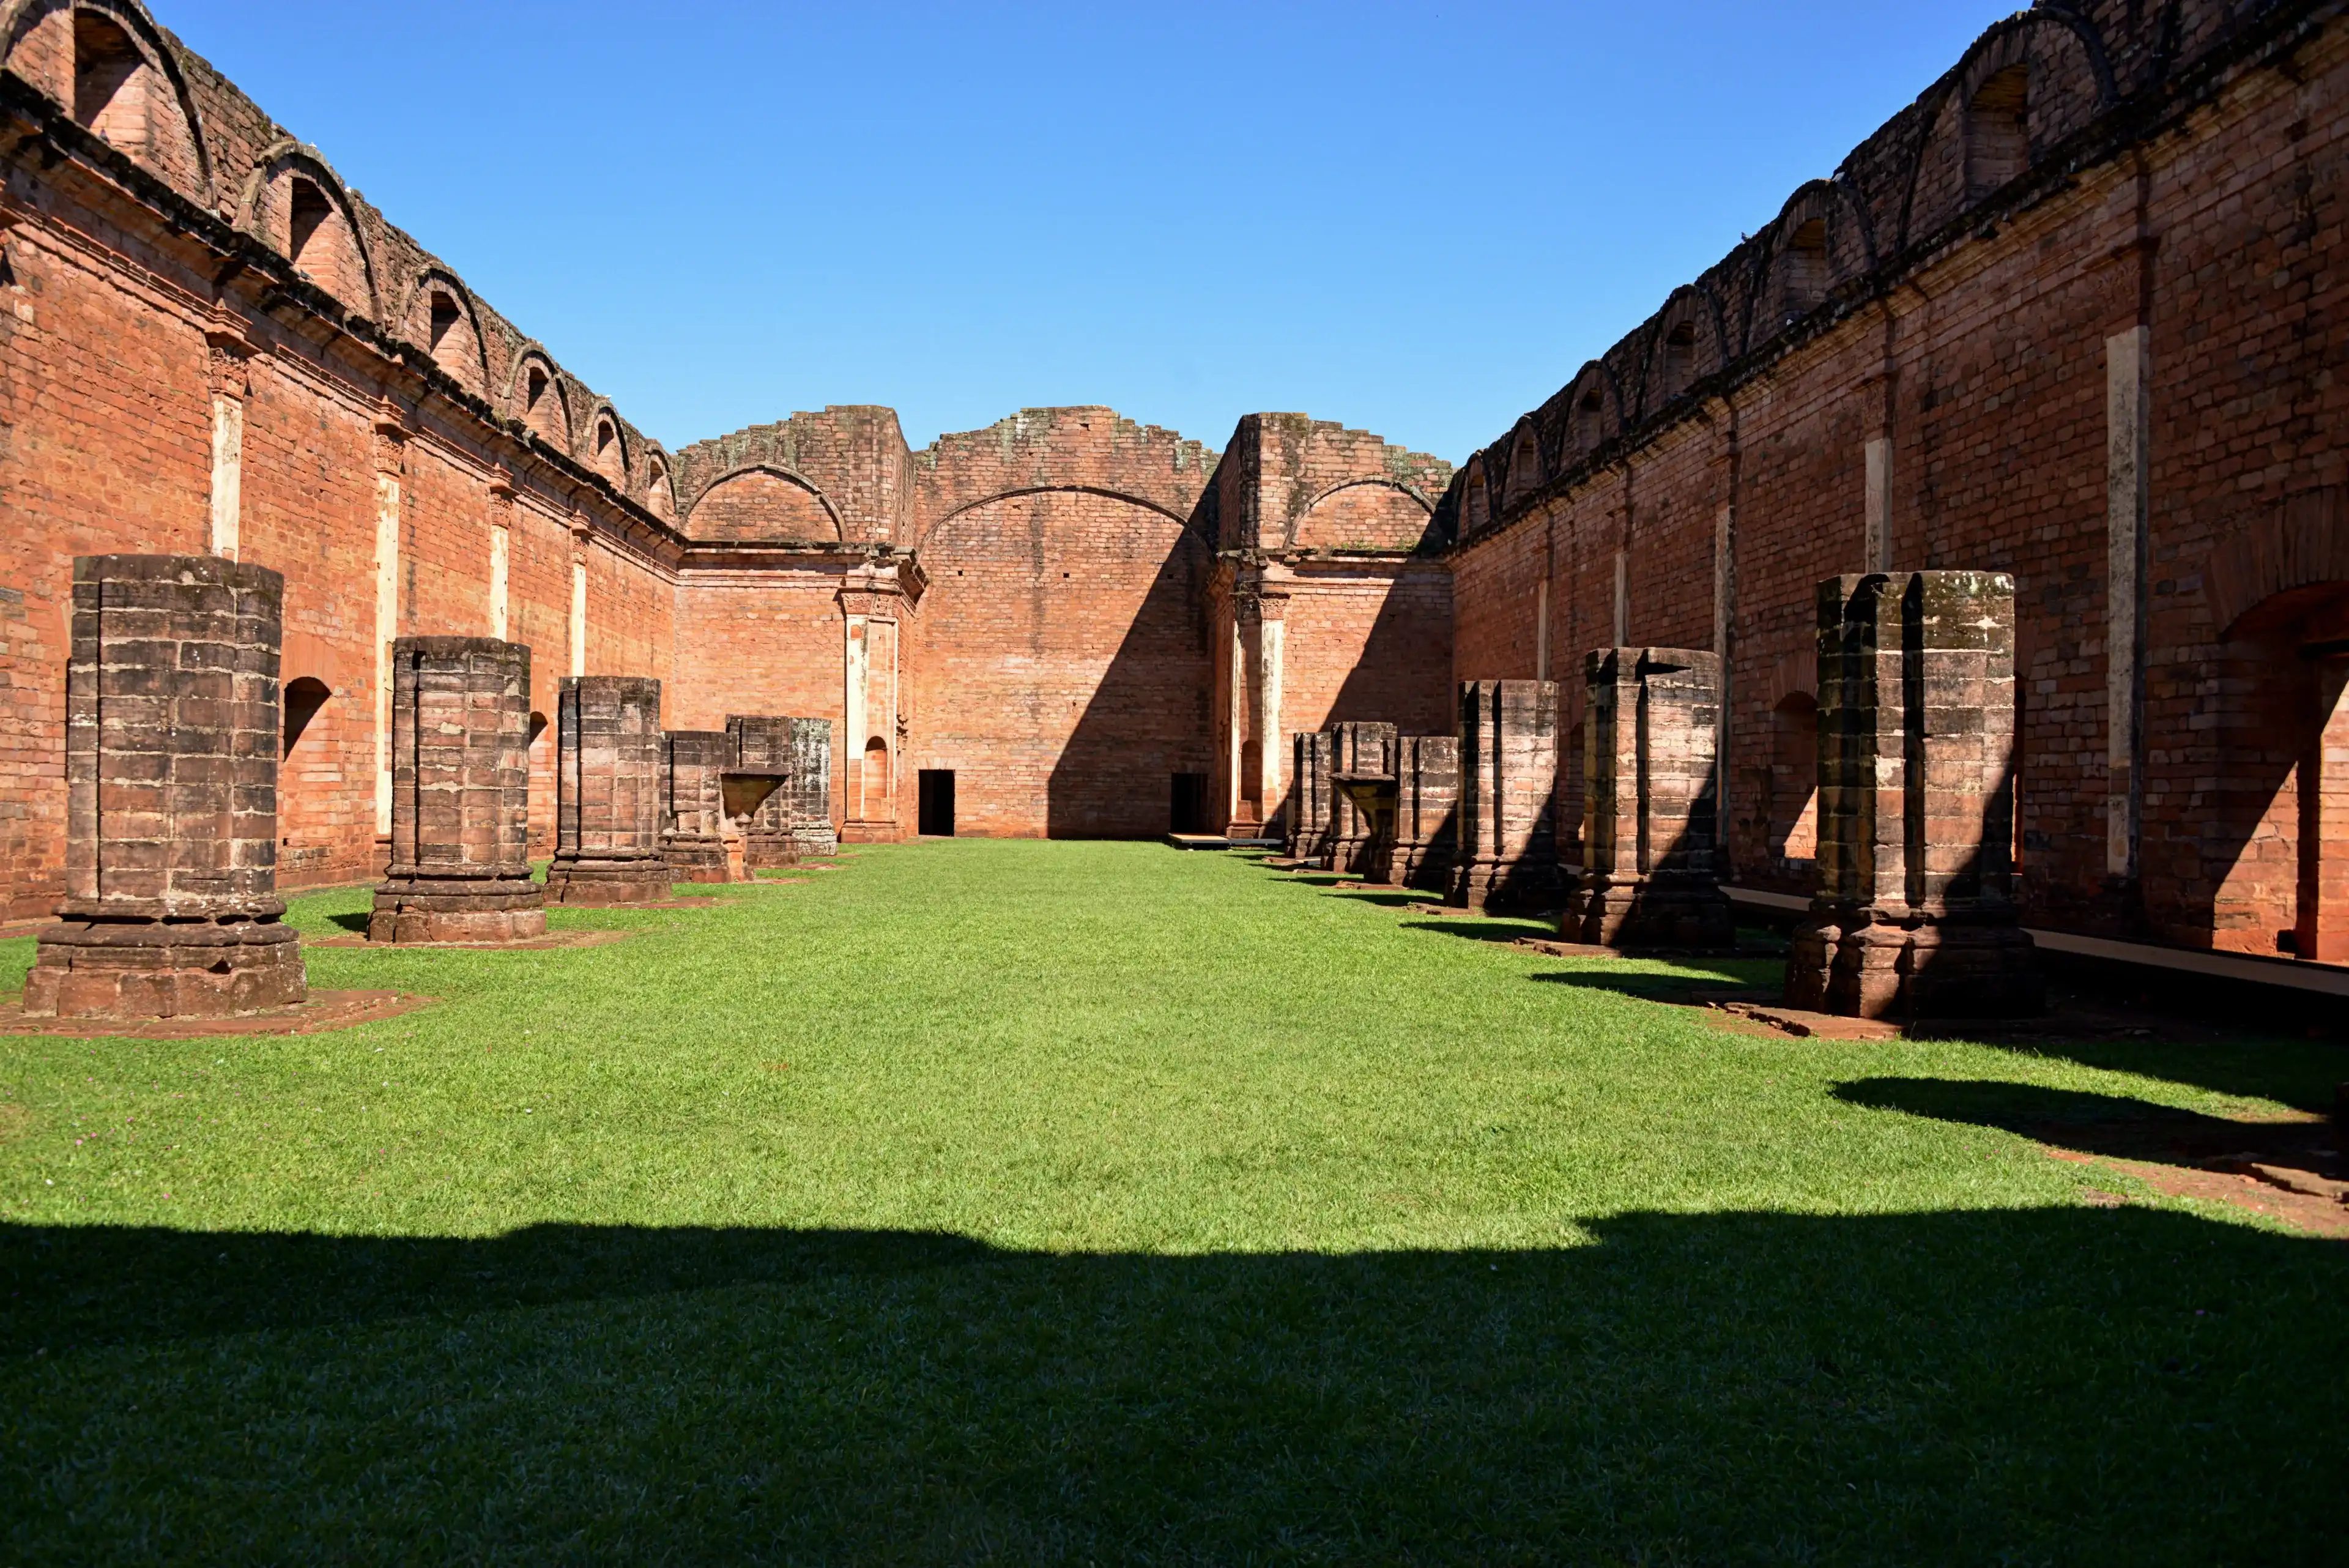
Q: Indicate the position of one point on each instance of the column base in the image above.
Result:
(165, 969)
(695, 858)
(857, 832)
(416, 907)
(1681, 912)
(765, 850)
(816, 843)
(1854, 966)
(597, 881)
(1503, 887)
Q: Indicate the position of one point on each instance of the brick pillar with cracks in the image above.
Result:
(762, 742)
(1364, 749)
(607, 818)
(1651, 866)
(1508, 776)
(171, 742)
(693, 803)
(1427, 810)
(460, 796)
(1915, 915)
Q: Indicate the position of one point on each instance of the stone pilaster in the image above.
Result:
(171, 742)
(1915, 914)
(459, 866)
(1360, 750)
(764, 741)
(809, 808)
(1649, 816)
(1309, 795)
(1427, 811)
(693, 806)
(607, 817)
(1508, 776)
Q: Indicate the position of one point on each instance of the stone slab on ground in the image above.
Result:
(324, 1011)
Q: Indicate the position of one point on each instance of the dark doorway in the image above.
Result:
(1188, 810)
(937, 785)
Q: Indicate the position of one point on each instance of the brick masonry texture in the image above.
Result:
(459, 867)
(1652, 719)
(172, 728)
(1427, 811)
(1360, 750)
(693, 803)
(1507, 856)
(2092, 348)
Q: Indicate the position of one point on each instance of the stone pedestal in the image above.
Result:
(693, 840)
(171, 741)
(1427, 811)
(1309, 795)
(1508, 776)
(1650, 804)
(608, 807)
(1915, 915)
(1362, 750)
(763, 742)
(460, 868)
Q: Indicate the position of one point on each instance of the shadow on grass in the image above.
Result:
(2302, 1073)
(2042, 1384)
(1483, 930)
(2090, 1123)
(351, 922)
(1385, 898)
(1654, 987)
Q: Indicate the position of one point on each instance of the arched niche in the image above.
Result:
(766, 503)
(297, 206)
(1820, 241)
(106, 65)
(1525, 469)
(607, 448)
(1475, 500)
(660, 496)
(440, 316)
(2026, 84)
(538, 400)
(1594, 411)
(1688, 346)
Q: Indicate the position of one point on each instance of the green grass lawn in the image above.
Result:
(1016, 1201)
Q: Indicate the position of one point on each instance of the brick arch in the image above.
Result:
(419, 332)
(1934, 192)
(1526, 468)
(1848, 252)
(1694, 309)
(1396, 517)
(934, 525)
(1585, 435)
(590, 454)
(254, 217)
(2297, 547)
(660, 481)
(1478, 511)
(702, 522)
(21, 19)
(517, 391)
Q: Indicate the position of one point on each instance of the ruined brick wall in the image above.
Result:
(1064, 664)
(1936, 360)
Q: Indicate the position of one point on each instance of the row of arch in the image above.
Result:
(2027, 84)
(107, 65)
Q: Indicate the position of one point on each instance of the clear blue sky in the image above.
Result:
(1417, 221)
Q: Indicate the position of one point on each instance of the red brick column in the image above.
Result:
(1427, 810)
(1363, 750)
(763, 742)
(607, 817)
(171, 742)
(460, 796)
(1649, 806)
(1508, 773)
(1915, 914)
(1309, 795)
(693, 803)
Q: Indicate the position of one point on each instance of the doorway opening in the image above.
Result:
(936, 806)
(1187, 811)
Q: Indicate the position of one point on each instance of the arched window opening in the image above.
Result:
(1998, 132)
(658, 499)
(1589, 420)
(113, 84)
(446, 314)
(307, 210)
(1794, 788)
(1804, 280)
(1525, 467)
(541, 407)
(1679, 358)
(300, 703)
(1476, 507)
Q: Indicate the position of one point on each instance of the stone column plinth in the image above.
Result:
(1650, 804)
(693, 806)
(172, 744)
(459, 866)
(608, 807)
(1427, 811)
(810, 790)
(1364, 750)
(1308, 795)
(1915, 915)
(764, 743)
(1508, 776)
